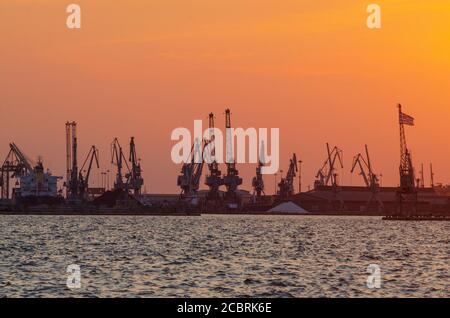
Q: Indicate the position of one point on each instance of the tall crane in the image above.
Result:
(85, 171)
(118, 159)
(72, 182)
(286, 185)
(213, 180)
(327, 173)
(15, 165)
(258, 181)
(407, 192)
(370, 178)
(134, 178)
(365, 168)
(231, 180)
(191, 171)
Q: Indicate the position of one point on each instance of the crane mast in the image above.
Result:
(72, 182)
(407, 178)
(407, 192)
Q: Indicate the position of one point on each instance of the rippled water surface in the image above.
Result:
(222, 256)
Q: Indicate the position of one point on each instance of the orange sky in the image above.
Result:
(144, 67)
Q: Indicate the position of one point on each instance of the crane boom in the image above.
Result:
(23, 159)
(15, 165)
(365, 168)
(326, 173)
(369, 177)
(89, 161)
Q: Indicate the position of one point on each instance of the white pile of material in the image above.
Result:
(288, 207)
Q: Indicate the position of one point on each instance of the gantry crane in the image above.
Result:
(127, 179)
(370, 178)
(286, 185)
(14, 166)
(231, 180)
(85, 172)
(134, 178)
(213, 180)
(118, 159)
(77, 180)
(191, 171)
(407, 192)
(327, 174)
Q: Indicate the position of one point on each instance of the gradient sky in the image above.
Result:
(312, 68)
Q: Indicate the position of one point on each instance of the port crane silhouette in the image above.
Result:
(118, 159)
(77, 180)
(370, 178)
(15, 165)
(134, 177)
(214, 179)
(83, 179)
(72, 182)
(407, 192)
(130, 180)
(191, 172)
(327, 173)
(258, 181)
(231, 180)
(286, 185)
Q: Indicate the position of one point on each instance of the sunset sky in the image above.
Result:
(144, 67)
